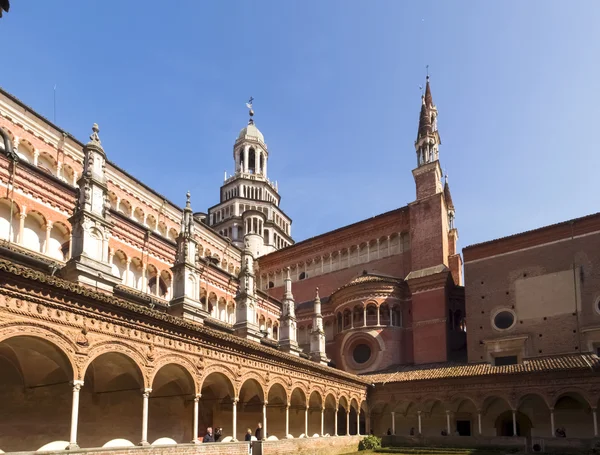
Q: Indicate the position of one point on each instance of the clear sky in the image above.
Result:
(336, 88)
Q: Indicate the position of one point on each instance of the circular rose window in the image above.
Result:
(361, 353)
(504, 320)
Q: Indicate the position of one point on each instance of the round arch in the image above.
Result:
(36, 375)
(112, 347)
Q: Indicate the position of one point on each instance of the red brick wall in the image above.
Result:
(490, 284)
(218, 448)
(427, 233)
(429, 326)
(397, 265)
(309, 446)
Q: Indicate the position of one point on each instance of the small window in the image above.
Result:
(506, 360)
(504, 320)
(361, 353)
(271, 284)
(303, 276)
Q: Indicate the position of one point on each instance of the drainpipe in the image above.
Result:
(11, 154)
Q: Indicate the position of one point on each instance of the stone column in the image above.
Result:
(419, 422)
(352, 318)
(365, 316)
(391, 322)
(195, 429)
(368, 423)
(145, 281)
(77, 385)
(358, 422)
(235, 401)
(265, 165)
(22, 216)
(322, 421)
(128, 272)
(378, 249)
(287, 420)
(146, 395)
(448, 423)
(479, 422)
(265, 420)
(36, 157)
(393, 422)
(552, 434)
(157, 290)
(246, 153)
(514, 415)
(595, 416)
(347, 423)
(306, 422)
(48, 230)
(378, 316)
(335, 423)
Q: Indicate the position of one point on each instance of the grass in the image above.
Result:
(429, 451)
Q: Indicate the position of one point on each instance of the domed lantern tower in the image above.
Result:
(249, 201)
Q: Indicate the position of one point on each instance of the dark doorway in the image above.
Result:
(463, 427)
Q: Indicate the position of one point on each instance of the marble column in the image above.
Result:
(419, 422)
(234, 423)
(146, 395)
(514, 416)
(306, 422)
(393, 422)
(47, 243)
(595, 416)
(448, 431)
(195, 429)
(335, 423)
(322, 421)
(265, 420)
(479, 423)
(77, 385)
(287, 420)
(552, 434)
(347, 423)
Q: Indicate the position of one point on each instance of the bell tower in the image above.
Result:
(434, 262)
(249, 201)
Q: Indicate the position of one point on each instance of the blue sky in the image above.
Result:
(336, 88)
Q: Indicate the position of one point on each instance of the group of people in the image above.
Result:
(209, 436)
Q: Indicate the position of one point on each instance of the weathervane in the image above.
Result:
(249, 106)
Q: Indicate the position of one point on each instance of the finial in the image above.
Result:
(287, 273)
(94, 136)
(187, 202)
(251, 112)
(446, 179)
(427, 69)
(317, 293)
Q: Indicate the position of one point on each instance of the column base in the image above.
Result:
(144, 443)
(73, 446)
(196, 441)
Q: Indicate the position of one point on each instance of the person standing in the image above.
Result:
(258, 434)
(208, 437)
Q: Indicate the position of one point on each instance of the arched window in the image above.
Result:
(303, 276)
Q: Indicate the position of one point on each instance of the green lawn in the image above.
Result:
(429, 451)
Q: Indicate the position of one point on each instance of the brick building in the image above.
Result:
(127, 319)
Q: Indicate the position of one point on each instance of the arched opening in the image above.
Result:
(342, 419)
(340, 325)
(359, 315)
(536, 409)
(111, 401)
(171, 404)
(58, 243)
(315, 404)
(505, 426)
(573, 416)
(35, 393)
(297, 412)
(329, 418)
(353, 413)
(212, 305)
(9, 222)
(119, 265)
(252, 161)
(222, 309)
(347, 319)
(216, 405)
(464, 419)
(250, 408)
(371, 314)
(384, 314)
(231, 312)
(34, 234)
(277, 402)
(434, 418)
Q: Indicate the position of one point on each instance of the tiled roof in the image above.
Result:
(449, 370)
(370, 278)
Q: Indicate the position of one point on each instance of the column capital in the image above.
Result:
(419, 412)
(266, 402)
(146, 392)
(77, 384)
(235, 401)
(197, 397)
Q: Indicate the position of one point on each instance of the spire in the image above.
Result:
(447, 195)
(288, 335)
(250, 111)
(428, 139)
(317, 336)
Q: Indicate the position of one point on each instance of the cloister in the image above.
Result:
(119, 399)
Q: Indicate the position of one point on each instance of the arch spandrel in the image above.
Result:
(118, 348)
(221, 369)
